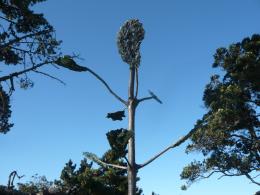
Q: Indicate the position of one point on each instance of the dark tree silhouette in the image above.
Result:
(228, 134)
(27, 42)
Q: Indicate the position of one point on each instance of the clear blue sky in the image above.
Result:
(55, 123)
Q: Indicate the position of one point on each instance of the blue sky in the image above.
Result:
(55, 123)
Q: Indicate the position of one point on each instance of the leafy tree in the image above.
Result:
(228, 134)
(36, 185)
(27, 42)
(87, 180)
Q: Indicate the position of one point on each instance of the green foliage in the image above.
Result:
(116, 116)
(5, 191)
(25, 35)
(129, 40)
(68, 62)
(87, 180)
(118, 140)
(38, 184)
(5, 111)
(228, 134)
(27, 40)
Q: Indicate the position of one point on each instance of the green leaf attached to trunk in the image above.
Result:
(68, 62)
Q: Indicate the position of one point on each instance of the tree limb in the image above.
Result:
(94, 158)
(251, 179)
(106, 85)
(48, 75)
(153, 96)
(6, 19)
(177, 143)
(143, 99)
(16, 74)
(24, 37)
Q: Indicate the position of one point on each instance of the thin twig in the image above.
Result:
(55, 78)
(177, 143)
(107, 86)
(8, 20)
(23, 50)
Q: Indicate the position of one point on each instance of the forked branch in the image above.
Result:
(177, 143)
(94, 158)
(153, 96)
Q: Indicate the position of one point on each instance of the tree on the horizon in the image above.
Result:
(87, 180)
(27, 42)
(228, 135)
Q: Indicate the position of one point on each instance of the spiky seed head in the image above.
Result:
(129, 39)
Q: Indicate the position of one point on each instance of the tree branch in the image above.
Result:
(177, 143)
(6, 19)
(106, 85)
(48, 75)
(16, 74)
(143, 99)
(251, 179)
(24, 37)
(153, 96)
(94, 158)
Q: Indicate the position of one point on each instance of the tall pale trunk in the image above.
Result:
(131, 170)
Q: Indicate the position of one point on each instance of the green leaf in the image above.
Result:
(68, 62)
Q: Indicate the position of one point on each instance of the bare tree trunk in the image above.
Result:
(131, 170)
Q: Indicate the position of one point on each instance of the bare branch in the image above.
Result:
(48, 75)
(12, 176)
(209, 175)
(6, 19)
(94, 158)
(16, 74)
(110, 165)
(143, 99)
(251, 179)
(177, 143)
(153, 96)
(240, 136)
(107, 86)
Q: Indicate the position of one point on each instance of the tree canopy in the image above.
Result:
(228, 134)
(85, 179)
(27, 42)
